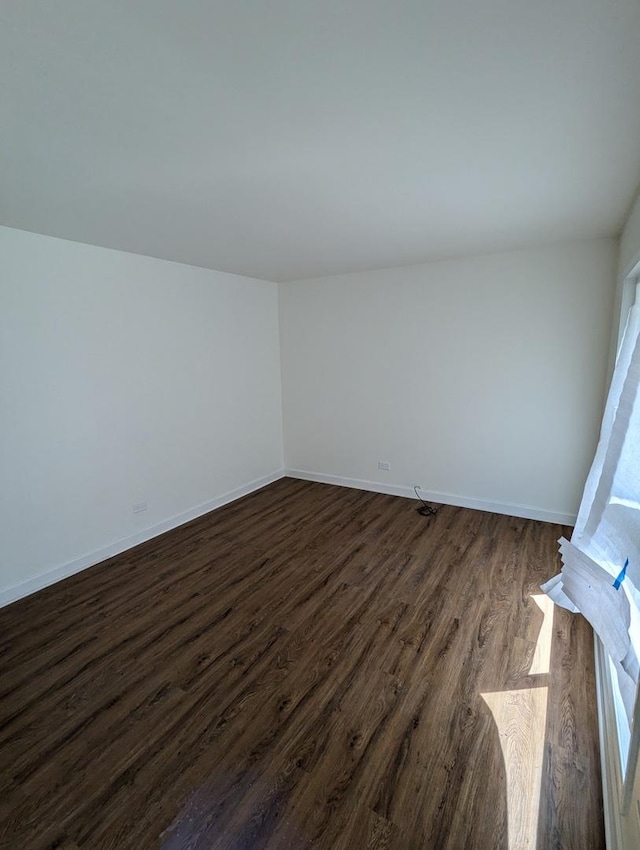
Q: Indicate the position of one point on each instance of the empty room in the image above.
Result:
(320, 425)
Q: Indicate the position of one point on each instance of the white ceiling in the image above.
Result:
(292, 138)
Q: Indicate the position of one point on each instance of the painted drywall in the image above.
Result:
(481, 379)
(125, 379)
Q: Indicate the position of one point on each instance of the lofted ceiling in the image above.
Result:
(285, 139)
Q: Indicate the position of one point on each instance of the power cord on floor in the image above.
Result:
(424, 509)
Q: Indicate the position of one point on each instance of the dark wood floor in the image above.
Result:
(311, 666)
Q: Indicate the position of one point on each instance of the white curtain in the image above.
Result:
(601, 565)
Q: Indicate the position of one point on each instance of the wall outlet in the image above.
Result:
(384, 466)
(139, 507)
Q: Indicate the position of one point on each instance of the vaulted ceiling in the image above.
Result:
(285, 139)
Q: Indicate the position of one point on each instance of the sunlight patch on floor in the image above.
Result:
(542, 655)
(520, 716)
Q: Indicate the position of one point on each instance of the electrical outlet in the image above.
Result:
(384, 466)
(139, 507)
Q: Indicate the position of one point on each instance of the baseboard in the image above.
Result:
(32, 585)
(525, 511)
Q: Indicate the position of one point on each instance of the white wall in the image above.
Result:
(124, 379)
(480, 379)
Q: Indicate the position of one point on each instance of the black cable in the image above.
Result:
(424, 509)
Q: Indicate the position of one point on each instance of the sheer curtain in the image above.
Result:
(601, 564)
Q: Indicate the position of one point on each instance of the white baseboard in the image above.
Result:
(525, 511)
(25, 588)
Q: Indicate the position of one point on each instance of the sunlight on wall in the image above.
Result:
(520, 716)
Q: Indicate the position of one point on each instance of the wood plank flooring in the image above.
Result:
(311, 666)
